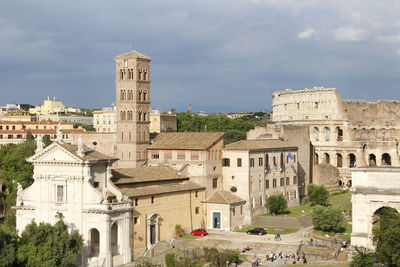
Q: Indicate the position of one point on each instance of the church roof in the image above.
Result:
(155, 189)
(89, 154)
(260, 144)
(132, 54)
(224, 197)
(145, 174)
(186, 140)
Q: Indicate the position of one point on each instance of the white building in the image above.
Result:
(75, 181)
(104, 121)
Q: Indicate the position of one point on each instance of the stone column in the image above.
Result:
(105, 242)
(126, 238)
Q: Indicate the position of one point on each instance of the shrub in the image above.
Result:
(276, 204)
(318, 195)
(327, 219)
(363, 258)
(170, 260)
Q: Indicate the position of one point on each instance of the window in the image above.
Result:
(125, 63)
(225, 162)
(316, 104)
(155, 155)
(181, 154)
(233, 211)
(287, 181)
(328, 133)
(267, 184)
(274, 183)
(194, 155)
(252, 162)
(168, 154)
(152, 199)
(233, 189)
(135, 220)
(239, 162)
(266, 161)
(215, 182)
(60, 193)
(197, 210)
(196, 194)
(260, 161)
(282, 182)
(136, 201)
(241, 209)
(316, 134)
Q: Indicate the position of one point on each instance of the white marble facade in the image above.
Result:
(75, 181)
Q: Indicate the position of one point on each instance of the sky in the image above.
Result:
(217, 55)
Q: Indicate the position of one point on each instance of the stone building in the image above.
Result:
(75, 181)
(194, 154)
(161, 121)
(345, 134)
(373, 188)
(104, 121)
(161, 198)
(133, 108)
(256, 169)
(52, 107)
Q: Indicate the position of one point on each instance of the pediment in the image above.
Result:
(55, 153)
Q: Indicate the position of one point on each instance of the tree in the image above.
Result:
(84, 126)
(363, 258)
(8, 244)
(276, 204)
(318, 195)
(46, 140)
(49, 245)
(29, 136)
(327, 219)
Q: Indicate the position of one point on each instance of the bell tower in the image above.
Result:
(133, 108)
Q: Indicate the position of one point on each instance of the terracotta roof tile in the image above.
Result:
(90, 154)
(160, 189)
(186, 140)
(145, 174)
(259, 144)
(224, 197)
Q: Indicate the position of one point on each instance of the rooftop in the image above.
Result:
(145, 174)
(259, 144)
(186, 140)
(224, 197)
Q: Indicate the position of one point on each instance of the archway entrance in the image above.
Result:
(339, 160)
(352, 160)
(153, 225)
(372, 160)
(94, 243)
(114, 239)
(382, 219)
(327, 158)
(386, 160)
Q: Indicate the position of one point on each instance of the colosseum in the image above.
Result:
(344, 134)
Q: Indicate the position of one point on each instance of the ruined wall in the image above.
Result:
(383, 113)
(327, 175)
(103, 142)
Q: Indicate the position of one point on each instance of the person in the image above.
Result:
(244, 250)
(278, 236)
(311, 242)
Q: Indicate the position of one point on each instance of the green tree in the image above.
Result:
(29, 136)
(318, 195)
(327, 219)
(8, 245)
(46, 140)
(48, 245)
(363, 258)
(84, 126)
(276, 204)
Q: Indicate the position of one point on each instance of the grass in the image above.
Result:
(270, 230)
(189, 236)
(338, 199)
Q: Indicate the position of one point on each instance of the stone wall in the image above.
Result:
(327, 175)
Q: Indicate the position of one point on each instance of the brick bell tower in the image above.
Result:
(133, 108)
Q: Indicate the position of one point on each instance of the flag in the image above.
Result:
(290, 156)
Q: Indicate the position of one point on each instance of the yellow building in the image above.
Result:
(161, 199)
(52, 107)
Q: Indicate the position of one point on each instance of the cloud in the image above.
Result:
(390, 39)
(349, 34)
(306, 34)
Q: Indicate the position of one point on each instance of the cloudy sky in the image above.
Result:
(218, 55)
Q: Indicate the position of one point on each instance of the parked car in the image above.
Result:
(257, 231)
(200, 231)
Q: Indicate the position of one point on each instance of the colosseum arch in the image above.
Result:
(386, 160)
(327, 158)
(339, 160)
(351, 158)
(372, 160)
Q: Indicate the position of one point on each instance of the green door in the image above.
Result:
(216, 220)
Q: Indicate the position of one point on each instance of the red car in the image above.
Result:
(200, 231)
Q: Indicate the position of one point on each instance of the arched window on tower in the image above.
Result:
(144, 95)
(316, 134)
(140, 115)
(140, 95)
(327, 134)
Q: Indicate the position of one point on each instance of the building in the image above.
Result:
(13, 132)
(75, 181)
(18, 115)
(9, 108)
(256, 169)
(373, 188)
(133, 108)
(161, 121)
(104, 121)
(195, 154)
(161, 199)
(70, 118)
(344, 134)
(52, 107)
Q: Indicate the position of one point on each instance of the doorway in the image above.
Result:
(217, 220)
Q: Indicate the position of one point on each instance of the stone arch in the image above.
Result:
(339, 133)
(372, 160)
(114, 239)
(339, 160)
(386, 160)
(94, 242)
(327, 158)
(351, 160)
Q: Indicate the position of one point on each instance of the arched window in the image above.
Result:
(339, 160)
(327, 158)
(251, 162)
(287, 181)
(274, 160)
(94, 243)
(339, 134)
(316, 134)
(266, 161)
(140, 115)
(386, 161)
(144, 95)
(352, 160)
(327, 134)
(282, 182)
(372, 160)
(274, 183)
(114, 239)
